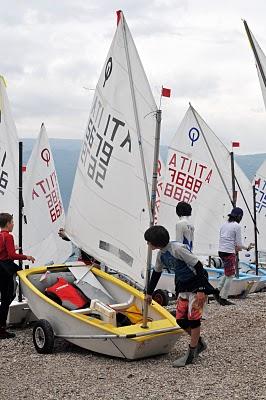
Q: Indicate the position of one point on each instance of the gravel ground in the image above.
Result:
(233, 366)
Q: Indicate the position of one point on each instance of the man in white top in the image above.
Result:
(184, 227)
(230, 243)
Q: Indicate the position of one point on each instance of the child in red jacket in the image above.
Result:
(7, 270)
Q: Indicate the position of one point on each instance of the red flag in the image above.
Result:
(118, 16)
(166, 92)
(24, 168)
(235, 144)
(257, 182)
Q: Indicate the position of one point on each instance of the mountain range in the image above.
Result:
(66, 154)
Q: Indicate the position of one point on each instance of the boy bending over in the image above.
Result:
(191, 283)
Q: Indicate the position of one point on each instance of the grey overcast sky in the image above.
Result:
(52, 49)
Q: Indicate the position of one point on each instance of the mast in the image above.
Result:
(150, 202)
(255, 230)
(152, 207)
(20, 201)
(255, 52)
(234, 194)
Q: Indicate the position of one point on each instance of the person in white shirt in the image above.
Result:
(230, 243)
(184, 227)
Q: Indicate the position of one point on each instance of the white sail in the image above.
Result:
(198, 171)
(260, 186)
(43, 208)
(260, 60)
(9, 159)
(109, 208)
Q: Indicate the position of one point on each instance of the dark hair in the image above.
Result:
(4, 219)
(157, 236)
(236, 214)
(183, 209)
(236, 218)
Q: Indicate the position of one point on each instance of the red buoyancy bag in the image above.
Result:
(70, 297)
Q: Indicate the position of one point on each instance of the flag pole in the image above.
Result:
(234, 196)
(234, 193)
(161, 98)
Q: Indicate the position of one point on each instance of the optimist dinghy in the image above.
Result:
(113, 328)
(109, 211)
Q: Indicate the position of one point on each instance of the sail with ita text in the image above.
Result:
(109, 208)
(43, 208)
(198, 171)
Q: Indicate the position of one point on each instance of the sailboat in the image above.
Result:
(108, 213)
(198, 171)
(43, 208)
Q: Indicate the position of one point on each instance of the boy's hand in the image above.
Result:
(250, 246)
(148, 298)
(30, 258)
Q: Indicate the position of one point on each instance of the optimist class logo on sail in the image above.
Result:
(47, 189)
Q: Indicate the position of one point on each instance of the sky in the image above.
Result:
(52, 53)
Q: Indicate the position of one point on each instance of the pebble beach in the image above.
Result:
(232, 367)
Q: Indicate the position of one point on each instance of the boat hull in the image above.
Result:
(79, 329)
(246, 283)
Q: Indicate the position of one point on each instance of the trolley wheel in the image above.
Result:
(161, 297)
(43, 337)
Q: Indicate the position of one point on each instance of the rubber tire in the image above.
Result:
(161, 297)
(43, 337)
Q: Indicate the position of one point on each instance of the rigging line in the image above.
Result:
(245, 201)
(136, 116)
(253, 47)
(213, 159)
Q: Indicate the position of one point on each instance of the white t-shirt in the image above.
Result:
(185, 232)
(230, 237)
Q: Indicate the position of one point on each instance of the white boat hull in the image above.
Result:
(246, 283)
(78, 329)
